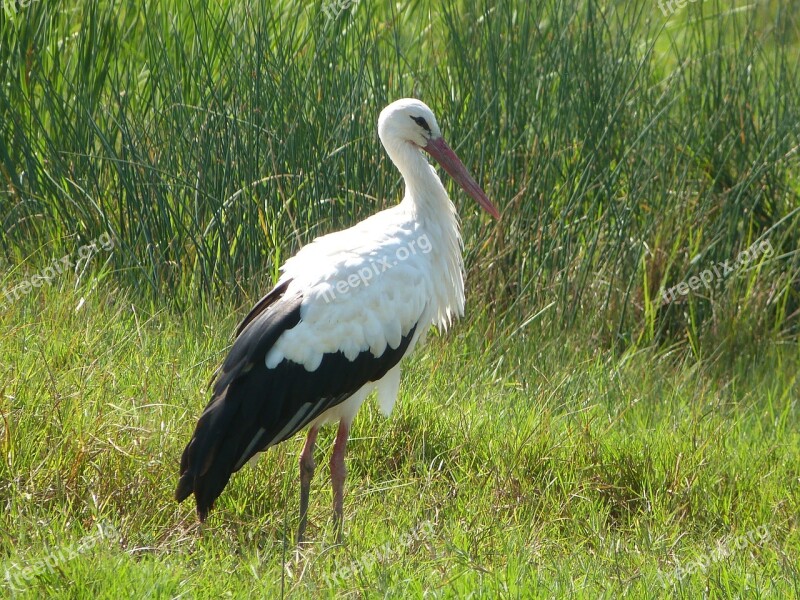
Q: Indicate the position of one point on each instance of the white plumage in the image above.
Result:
(345, 311)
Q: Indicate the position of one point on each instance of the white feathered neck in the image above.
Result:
(427, 202)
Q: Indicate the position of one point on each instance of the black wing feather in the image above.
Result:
(251, 404)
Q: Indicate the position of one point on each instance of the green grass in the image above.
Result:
(625, 150)
(574, 436)
(510, 467)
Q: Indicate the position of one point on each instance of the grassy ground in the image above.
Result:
(583, 432)
(513, 466)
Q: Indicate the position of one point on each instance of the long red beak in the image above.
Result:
(450, 162)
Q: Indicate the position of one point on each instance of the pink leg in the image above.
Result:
(338, 473)
(306, 473)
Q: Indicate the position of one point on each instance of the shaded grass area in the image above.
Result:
(510, 467)
(627, 150)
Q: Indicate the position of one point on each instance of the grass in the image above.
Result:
(575, 435)
(625, 150)
(509, 468)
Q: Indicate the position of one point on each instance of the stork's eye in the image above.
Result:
(422, 123)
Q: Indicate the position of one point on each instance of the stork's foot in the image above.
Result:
(338, 528)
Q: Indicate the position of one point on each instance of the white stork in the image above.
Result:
(346, 310)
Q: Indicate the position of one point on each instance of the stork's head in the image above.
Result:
(411, 121)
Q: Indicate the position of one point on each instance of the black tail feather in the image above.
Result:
(253, 406)
(210, 458)
(231, 420)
